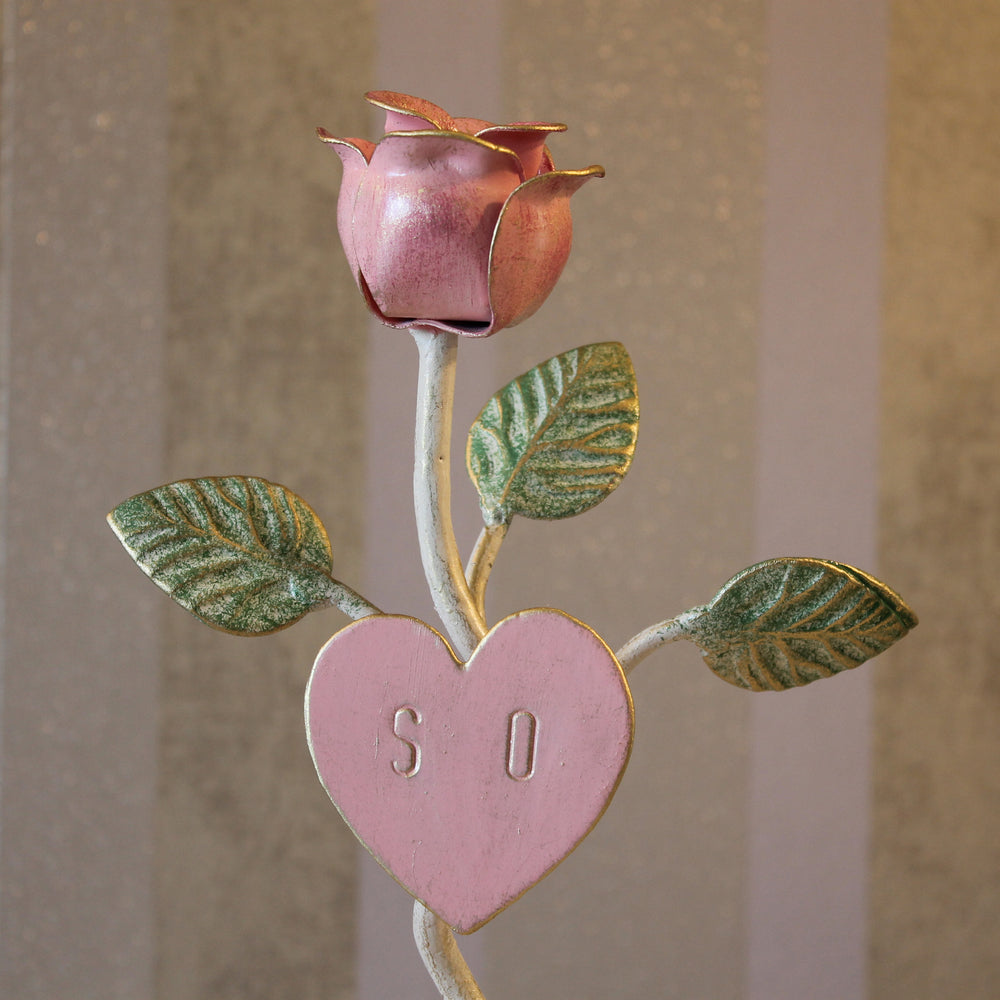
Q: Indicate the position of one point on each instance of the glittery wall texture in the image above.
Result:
(935, 880)
(265, 372)
(173, 302)
(81, 342)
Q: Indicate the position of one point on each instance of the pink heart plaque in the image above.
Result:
(469, 782)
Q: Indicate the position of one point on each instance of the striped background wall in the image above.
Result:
(797, 242)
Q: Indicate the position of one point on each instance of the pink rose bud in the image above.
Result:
(454, 223)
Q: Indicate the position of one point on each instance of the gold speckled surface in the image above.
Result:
(936, 860)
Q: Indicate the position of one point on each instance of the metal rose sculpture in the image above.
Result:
(454, 223)
(471, 765)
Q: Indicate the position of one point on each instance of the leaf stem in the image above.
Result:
(442, 958)
(481, 562)
(339, 595)
(432, 491)
(651, 639)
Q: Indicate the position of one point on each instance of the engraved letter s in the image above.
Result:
(410, 769)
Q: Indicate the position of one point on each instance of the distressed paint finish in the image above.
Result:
(783, 623)
(243, 554)
(469, 782)
(558, 439)
(454, 223)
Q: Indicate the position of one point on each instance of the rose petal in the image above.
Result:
(409, 114)
(472, 126)
(531, 244)
(527, 139)
(465, 329)
(424, 220)
(354, 154)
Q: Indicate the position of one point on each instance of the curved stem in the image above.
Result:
(651, 639)
(480, 564)
(432, 491)
(442, 959)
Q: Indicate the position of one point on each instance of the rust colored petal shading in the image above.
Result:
(532, 244)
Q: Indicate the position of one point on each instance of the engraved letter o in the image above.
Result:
(522, 744)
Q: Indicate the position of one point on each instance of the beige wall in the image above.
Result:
(81, 351)
(936, 859)
(265, 375)
(173, 302)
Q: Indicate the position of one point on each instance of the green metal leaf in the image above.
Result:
(243, 554)
(559, 438)
(786, 622)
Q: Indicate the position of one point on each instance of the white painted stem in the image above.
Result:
(350, 601)
(651, 639)
(461, 606)
(442, 959)
(453, 600)
(432, 491)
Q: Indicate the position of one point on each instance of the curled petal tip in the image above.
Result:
(573, 180)
(527, 140)
(341, 146)
(403, 106)
(547, 127)
(472, 125)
